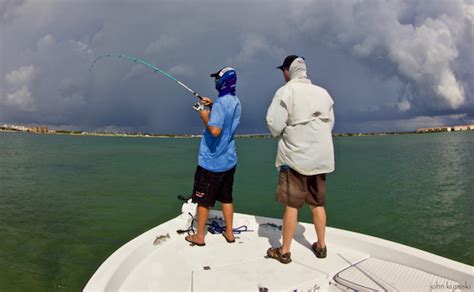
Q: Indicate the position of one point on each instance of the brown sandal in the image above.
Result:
(275, 253)
(320, 252)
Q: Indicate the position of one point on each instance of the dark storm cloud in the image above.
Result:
(388, 64)
(8, 9)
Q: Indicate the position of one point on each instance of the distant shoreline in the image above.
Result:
(152, 135)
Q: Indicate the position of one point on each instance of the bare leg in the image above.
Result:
(228, 211)
(319, 220)
(290, 219)
(202, 215)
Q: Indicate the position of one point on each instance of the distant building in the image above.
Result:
(446, 129)
(37, 129)
(461, 128)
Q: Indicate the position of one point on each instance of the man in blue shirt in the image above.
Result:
(217, 159)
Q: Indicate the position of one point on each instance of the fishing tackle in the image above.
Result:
(198, 106)
(145, 63)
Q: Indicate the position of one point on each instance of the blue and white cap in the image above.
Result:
(221, 72)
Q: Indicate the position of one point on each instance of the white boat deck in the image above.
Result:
(354, 261)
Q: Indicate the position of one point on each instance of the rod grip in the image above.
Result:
(200, 97)
(197, 95)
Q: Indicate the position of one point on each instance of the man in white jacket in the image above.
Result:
(301, 116)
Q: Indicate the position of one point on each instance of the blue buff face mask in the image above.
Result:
(226, 84)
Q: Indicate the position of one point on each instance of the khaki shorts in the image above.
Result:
(295, 189)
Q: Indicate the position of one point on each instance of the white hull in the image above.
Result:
(354, 260)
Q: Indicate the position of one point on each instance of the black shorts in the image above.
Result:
(210, 186)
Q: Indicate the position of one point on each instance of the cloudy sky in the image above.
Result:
(389, 65)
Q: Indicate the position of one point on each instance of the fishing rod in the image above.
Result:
(143, 62)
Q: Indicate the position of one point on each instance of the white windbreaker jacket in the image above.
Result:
(301, 116)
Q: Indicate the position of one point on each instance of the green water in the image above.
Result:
(68, 202)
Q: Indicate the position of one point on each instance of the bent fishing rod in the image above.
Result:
(156, 69)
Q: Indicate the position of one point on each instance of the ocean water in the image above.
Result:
(68, 202)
